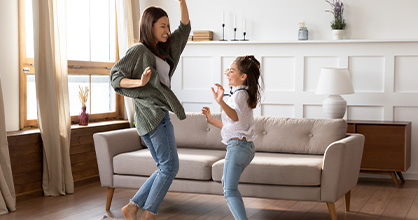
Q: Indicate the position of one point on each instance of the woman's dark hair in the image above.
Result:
(148, 19)
(250, 66)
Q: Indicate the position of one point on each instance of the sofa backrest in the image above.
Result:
(196, 132)
(297, 135)
(274, 134)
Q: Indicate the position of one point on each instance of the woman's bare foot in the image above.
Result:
(129, 211)
(147, 215)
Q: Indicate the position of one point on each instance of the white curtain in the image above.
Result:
(128, 33)
(51, 78)
(7, 190)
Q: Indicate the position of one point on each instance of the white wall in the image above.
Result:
(9, 62)
(384, 75)
(267, 20)
(276, 20)
(384, 72)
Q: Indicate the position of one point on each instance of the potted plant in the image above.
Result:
(338, 24)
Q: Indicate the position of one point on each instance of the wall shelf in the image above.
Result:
(348, 41)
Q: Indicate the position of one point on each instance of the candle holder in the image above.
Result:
(223, 33)
(245, 33)
(235, 35)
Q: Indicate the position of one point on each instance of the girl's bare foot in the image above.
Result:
(147, 215)
(129, 211)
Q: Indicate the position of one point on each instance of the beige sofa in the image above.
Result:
(296, 159)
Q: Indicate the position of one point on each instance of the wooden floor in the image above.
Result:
(370, 199)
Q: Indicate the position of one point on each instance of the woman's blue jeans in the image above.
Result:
(239, 154)
(162, 145)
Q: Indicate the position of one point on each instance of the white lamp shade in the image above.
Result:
(334, 81)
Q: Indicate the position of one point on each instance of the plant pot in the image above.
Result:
(337, 34)
(83, 117)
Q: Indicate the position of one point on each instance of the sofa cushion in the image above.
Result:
(278, 169)
(194, 163)
(293, 135)
(196, 132)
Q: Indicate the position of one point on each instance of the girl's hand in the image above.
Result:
(219, 93)
(209, 119)
(146, 75)
(206, 112)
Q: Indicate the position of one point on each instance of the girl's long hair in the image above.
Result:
(250, 66)
(148, 19)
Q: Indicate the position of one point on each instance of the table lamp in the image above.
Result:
(334, 82)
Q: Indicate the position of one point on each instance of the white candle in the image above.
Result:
(223, 17)
(235, 24)
(244, 25)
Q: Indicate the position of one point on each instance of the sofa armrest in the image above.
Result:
(111, 143)
(341, 167)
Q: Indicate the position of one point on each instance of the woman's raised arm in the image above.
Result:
(184, 12)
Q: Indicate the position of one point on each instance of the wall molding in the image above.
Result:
(383, 73)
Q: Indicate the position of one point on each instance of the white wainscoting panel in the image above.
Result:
(384, 74)
(406, 74)
(285, 111)
(279, 73)
(197, 107)
(313, 111)
(367, 73)
(197, 73)
(365, 113)
(313, 66)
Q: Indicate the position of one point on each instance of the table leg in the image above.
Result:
(395, 179)
(400, 176)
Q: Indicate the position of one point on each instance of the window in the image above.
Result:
(91, 52)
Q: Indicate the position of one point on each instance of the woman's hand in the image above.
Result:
(134, 83)
(184, 12)
(219, 93)
(146, 75)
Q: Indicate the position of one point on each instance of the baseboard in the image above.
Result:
(39, 192)
(29, 195)
(82, 182)
(406, 175)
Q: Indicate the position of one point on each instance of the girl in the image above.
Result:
(144, 74)
(237, 126)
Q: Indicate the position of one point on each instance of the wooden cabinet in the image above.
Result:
(387, 148)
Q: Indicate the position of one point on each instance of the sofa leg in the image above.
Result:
(110, 192)
(332, 211)
(347, 201)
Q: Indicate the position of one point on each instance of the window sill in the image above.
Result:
(73, 127)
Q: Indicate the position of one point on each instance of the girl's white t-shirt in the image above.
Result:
(163, 69)
(244, 127)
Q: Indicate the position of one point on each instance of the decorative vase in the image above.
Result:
(303, 33)
(337, 34)
(83, 117)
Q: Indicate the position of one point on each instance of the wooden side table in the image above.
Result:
(387, 148)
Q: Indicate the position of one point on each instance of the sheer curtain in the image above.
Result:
(51, 78)
(7, 190)
(128, 33)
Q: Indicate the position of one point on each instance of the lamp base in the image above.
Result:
(334, 106)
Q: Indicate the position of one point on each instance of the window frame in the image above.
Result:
(75, 67)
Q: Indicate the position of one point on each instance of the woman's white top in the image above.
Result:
(244, 127)
(163, 69)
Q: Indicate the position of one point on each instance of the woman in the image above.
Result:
(144, 74)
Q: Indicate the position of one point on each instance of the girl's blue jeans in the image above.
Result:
(162, 145)
(239, 154)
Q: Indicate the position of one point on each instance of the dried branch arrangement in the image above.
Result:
(83, 94)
